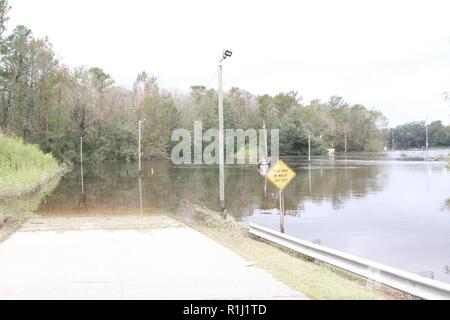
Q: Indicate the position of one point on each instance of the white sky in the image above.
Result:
(389, 55)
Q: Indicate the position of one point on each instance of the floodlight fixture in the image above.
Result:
(227, 54)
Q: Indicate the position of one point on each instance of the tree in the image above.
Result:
(4, 18)
(285, 101)
(49, 104)
(15, 68)
(158, 107)
(410, 135)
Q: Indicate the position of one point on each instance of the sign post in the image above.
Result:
(281, 175)
(281, 196)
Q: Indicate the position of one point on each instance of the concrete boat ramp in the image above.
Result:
(130, 257)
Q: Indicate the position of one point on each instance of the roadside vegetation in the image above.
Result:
(26, 206)
(316, 280)
(24, 168)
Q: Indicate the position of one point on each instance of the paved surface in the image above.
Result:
(126, 258)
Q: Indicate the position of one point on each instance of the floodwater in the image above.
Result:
(391, 208)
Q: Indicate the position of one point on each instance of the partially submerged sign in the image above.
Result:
(280, 175)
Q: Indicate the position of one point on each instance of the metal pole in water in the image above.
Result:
(141, 206)
(81, 150)
(426, 140)
(345, 141)
(81, 165)
(281, 196)
(309, 174)
(139, 148)
(393, 140)
(265, 140)
(139, 141)
(221, 142)
(309, 147)
(225, 54)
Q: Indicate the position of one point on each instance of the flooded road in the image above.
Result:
(127, 257)
(378, 207)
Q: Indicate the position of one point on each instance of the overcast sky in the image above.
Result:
(389, 55)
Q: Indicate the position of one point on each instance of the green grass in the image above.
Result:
(315, 280)
(26, 205)
(23, 167)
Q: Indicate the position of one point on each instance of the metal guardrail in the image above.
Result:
(402, 280)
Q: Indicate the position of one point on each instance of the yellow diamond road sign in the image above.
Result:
(280, 175)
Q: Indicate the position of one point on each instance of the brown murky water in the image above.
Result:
(372, 206)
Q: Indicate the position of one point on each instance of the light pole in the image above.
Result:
(345, 141)
(309, 148)
(393, 140)
(226, 54)
(139, 138)
(81, 165)
(426, 139)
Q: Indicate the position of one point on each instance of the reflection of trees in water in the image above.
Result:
(105, 186)
(318, 185)
(114, 186)
(333, 184)
(245, 188)
(110, 186)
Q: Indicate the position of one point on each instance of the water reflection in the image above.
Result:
(379, 209)
(113, 187)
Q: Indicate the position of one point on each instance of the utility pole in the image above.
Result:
(393, 140)
(81, 165)
(81, 150)
(226, 54)
(221, 142)
(266, 153)
(139, 148)
(309, 148)
(345, 141)
(282, 211)
(426, 139)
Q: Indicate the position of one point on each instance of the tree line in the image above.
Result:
(413, 135)
(45, 102)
